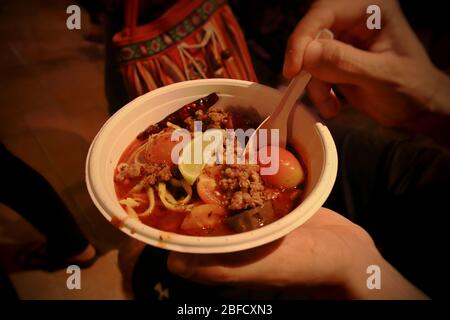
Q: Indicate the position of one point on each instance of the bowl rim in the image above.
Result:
(213, 244)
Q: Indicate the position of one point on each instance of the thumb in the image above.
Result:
(333, 61)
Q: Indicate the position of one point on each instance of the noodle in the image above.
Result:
(162, 191)
(135, 156)
(130, 203)
(151, 202)
(169, 201)
(138, 187)
(173, 126)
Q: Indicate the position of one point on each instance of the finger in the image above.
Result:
(202, 268)
(208, 268)
(257, 265)
(335, 62)
(323, 98)
(223, 268)
(306, 30)
(338, 16)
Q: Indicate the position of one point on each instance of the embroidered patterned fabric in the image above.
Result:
(192, 40)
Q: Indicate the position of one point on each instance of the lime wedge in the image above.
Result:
(193, 158)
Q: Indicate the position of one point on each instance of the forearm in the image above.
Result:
(431, 96)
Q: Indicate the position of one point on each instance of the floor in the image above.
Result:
(52, 104)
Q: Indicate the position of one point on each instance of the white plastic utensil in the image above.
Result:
(279, 118)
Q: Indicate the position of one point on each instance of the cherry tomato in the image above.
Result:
(289, 174)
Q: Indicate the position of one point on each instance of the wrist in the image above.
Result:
(354, 280)
(374, 278)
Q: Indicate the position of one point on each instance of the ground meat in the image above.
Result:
(156, 172)
(218, 118)
(215, 117)
(189, 122)
(151, 173)
(126, 171)
(200, 115)
(242, 186)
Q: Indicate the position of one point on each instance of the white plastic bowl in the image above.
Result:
(308, 136)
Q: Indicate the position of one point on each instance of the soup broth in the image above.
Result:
(215, 199)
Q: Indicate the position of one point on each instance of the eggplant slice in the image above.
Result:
(252, 219)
